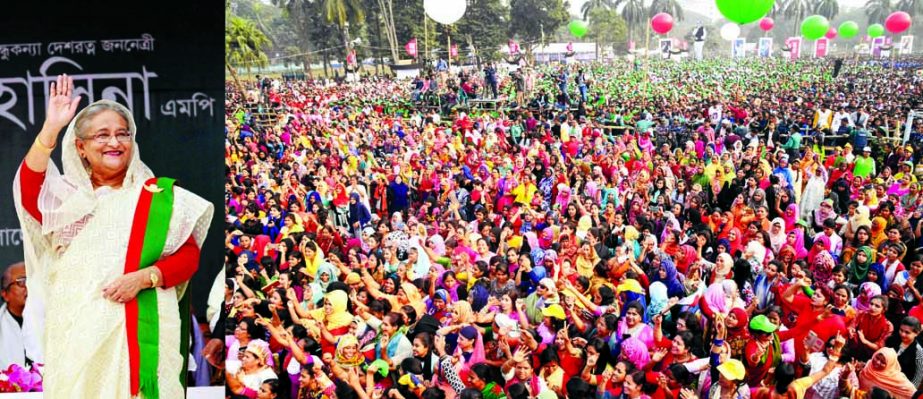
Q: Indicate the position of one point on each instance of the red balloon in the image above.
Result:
(897, 22)
(832, 33)
(766, 24)
(662, 23)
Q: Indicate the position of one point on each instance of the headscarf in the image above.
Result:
(715, 298)
(671, 281)
(340, 317)
(478, 354)
(891, 379)
(318, 287)
(636, 352)
(861, 218)
(341, 359)
(777, 240)
(66, 199)
(463, 313)
(743, 322)
(414, 298)
(858, 271)
(878, 231)
(659, 299)
(867, 291)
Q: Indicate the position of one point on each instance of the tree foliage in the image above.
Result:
(530, 20)
(607, 28)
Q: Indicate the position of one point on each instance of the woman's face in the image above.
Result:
(250, 361)
(103, 147)
(840, 297)
(818, 299)
(524, 371)
(419, 348)
(879, 362)
(388, 285)
(876, 307)
(619, 372)
(328, 307)
(873, 276)
(679, 347)
(632, 317)
(241, 332)
(465, 343)
(862, 257)
(506, 303)
(265, 392)
(631, 387)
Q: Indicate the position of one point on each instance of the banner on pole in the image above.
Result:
(906, 45)
(514, 47)
(820, 47)
(765, 47)
(794, 44)
(411, 48)
(739, 48)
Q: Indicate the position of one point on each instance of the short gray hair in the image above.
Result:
(94, 109)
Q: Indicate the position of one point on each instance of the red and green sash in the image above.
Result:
(145, 245)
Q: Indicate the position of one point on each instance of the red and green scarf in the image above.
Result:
(145, 246)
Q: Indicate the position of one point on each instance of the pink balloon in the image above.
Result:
(831, 34)
(662, 23)
(766, 24)
(897, 22)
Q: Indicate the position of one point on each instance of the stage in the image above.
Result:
(194, 393)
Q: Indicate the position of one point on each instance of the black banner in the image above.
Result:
(163, 59)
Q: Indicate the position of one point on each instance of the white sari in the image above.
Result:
(81, 246)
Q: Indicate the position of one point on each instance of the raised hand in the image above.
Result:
(659, 354)
(61, 105)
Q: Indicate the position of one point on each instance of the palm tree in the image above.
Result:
(671, 7)
(912, 7)
(591, 5)
(827, 8)
(797, 10)
(633, 12)
(243, 46)
(878, 10)
(343, 11)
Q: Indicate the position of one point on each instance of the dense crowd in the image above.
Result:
(680, 230)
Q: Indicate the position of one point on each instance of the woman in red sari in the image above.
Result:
(812, 314)
(870, 329)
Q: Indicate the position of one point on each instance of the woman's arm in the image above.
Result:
(61, 109)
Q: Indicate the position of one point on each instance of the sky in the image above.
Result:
(708, 7)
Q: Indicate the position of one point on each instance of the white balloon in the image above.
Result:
(446, 12)
(730, 31)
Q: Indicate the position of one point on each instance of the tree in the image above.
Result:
(828, 8)
(343, 11)
(607, 28)
(878, 10)
(671, 7)
(912, 7)
(797, 10)
(483, 27)
(634, 14)
(587, 8)
(531, 19)
(243, 46)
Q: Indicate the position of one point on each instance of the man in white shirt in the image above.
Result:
(12, 340)
(838, 118)
(836, 243)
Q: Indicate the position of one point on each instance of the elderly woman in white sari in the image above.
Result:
(109, 251)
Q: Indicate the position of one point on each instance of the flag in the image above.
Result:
(570, 47)
(453, 51)
(411, 48)
(514, 47)
(351, 58)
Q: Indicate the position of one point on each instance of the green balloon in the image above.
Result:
(848, 29)
(577, 28)
(815, 27)
(876, 30)
(744, 12)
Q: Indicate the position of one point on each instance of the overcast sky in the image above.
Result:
(708, 6)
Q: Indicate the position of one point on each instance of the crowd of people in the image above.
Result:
(679, 230)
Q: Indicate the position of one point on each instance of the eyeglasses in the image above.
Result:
(105, 138)
(21, 282)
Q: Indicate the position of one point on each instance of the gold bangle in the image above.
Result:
(45, 147)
